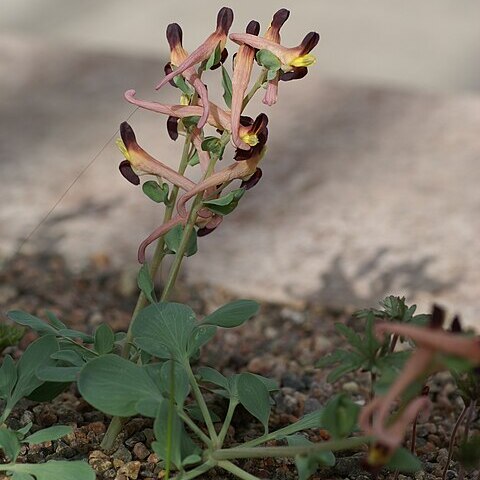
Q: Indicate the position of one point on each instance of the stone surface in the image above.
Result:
(365, 192)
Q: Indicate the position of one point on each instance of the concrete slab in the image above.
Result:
(366, 191)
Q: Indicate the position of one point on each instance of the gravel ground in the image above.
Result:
(283, 342)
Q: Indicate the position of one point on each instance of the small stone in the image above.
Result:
(122, 454)
(140, 451)
(7, 293)
(99, 461)
(296, 317)
(291, 380)
(152, 458)
(351, 387)
(96, 427)
(109, 474)
(311, 405)
(117, 463)
(26, 418)
(130, 470)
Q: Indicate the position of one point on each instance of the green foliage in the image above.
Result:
(395, 309)
(232, 314)
(214, 58)
(104, 339)
(267, 59)
(255, 397)
(307, 465)
(154, 191)
(212, 145)
(174, 237)
(227, 87)
(47, 434)
(10, 335)
(340, 416)
(52, 470)
(404, 461)
(145, 283)
(226, 204)
(9, 443)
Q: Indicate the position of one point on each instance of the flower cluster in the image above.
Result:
(434, 346)
(196, 112)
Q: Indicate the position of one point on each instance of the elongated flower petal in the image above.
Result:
(144, 164)
(241, 78)
(290, 57)
(217, 118)
(203, 52)
(239, 170)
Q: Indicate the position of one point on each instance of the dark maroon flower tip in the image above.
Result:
(425, 391)
(204, 231)
(280, 18)
(128, 136)
(260, 124)
(168, 70)
(253, 180)
(246, 121)
(309, 42)
(172, 127)
(223, 57)
(174, 35)
(224, 20)
(253, 28)
(127, 171)
(296, 74)
(456, 326)
(437, 318)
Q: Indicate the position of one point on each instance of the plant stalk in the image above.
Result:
(196, 472)
(195, 429)
(452, 441)
(228, 419)
(286, 452)
(237, 471)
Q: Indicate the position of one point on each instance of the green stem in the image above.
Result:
(228, 419)
(195, 429)
(285, 452)
(196, 472)
(237, 471)
(116, 424)
(171, 410)
(201, 402)
(256, 86)
(189, 227)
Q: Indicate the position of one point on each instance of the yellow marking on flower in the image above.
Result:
(121, 146)
(184, 100)
(377, 456)
(250, 139)
(304, 61)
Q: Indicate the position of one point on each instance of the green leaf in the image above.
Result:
(48, 434)
(194, 159)
(211, 375)
(254, 396)
(8, 376)
(180, 82)
(74, 334)
(468, 452)
(268, 60)
(50, 373)
(180, 443)
(307, 465)
(190, 122)
(114, 385)
(47, 391)
(214, 58)
(154, 191)
(37, 354)
(191, 460)
(404, 461)
(199, 337)
(353, 338)
(9, 444)
(212, 145)
(55, 470)
(272, 74)
(182, 384)
(168, 326)
(68, 356)
(232, 314)
(340, 416)
(311, 420)
(35, 323)
(174, 237)
(54, 321)
(104, 339)
(21, 476)
(227, 87)
(226, 204)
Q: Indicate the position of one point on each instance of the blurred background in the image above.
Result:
(371, 182)
(429, 44)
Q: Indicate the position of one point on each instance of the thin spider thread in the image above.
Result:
(72, 184)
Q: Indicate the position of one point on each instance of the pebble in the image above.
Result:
(130, 470)
(140, 451)
(351, 387)
(122, 454)
(99, 461)
(7, 293)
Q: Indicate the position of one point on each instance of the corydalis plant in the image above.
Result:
(435, 350)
